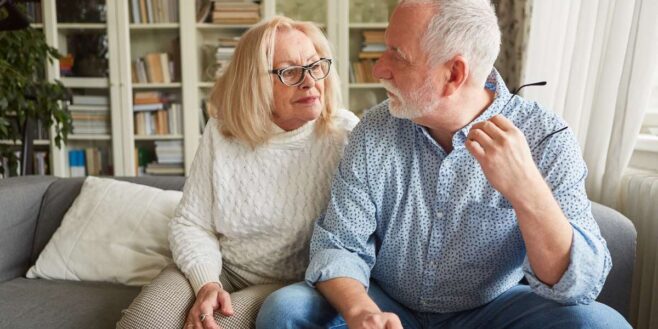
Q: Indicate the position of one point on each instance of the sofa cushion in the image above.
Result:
(40, 303)
(114, 232)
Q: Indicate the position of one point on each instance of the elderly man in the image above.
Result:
(448, 195)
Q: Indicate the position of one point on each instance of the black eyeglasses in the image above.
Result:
(294, 75)
(516, 91)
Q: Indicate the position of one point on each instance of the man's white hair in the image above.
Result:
(462, 27)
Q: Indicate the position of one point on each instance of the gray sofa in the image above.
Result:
(31, 209)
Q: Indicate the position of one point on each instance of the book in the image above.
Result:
(40, 163)
(148, 97)
(77, 163)
(149, 107)
(154, 68)
(143, 14)
(90, 100)
(164, 67)
(135, 11)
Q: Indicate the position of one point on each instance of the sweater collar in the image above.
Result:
(281, 136)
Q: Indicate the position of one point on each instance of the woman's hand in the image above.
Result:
(211, 297)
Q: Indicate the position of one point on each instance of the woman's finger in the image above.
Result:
(224, 300)
(206, 317)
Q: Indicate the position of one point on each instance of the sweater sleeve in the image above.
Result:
(192, 236)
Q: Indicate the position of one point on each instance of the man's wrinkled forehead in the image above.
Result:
(406, 29)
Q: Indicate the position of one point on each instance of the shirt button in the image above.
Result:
(439, 214)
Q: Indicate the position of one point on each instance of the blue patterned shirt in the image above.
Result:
(428, 227)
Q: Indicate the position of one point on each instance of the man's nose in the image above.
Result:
(380, 70)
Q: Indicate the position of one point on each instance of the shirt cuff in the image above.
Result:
(584, 278)
(201, 274)
(329, 264)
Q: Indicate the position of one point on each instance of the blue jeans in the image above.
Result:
(300, 306)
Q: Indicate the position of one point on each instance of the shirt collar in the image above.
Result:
(495, 84)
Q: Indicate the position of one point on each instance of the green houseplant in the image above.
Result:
(25, 94)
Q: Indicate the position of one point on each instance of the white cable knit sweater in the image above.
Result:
(255, 209)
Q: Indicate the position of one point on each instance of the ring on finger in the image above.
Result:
(202, 317)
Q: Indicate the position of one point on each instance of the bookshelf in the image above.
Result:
(129, 36)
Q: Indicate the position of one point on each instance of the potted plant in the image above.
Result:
(26, 97)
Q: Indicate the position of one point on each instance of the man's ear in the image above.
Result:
(456, 74)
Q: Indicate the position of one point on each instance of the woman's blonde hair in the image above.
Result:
(242, 98)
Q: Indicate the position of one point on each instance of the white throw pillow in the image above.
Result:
(115, 232)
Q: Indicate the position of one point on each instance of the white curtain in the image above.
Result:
(600, 59)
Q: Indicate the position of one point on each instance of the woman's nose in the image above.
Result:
(307, 81)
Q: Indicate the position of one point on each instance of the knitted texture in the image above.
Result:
(255, 208)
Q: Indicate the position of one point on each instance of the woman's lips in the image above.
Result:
(307, 100)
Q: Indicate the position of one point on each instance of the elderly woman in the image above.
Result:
(260, 178)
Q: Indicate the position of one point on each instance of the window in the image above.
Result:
(646, 148)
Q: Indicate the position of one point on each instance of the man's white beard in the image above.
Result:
(413, 107)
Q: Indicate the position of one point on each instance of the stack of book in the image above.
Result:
(224, 53)
(153, 68)
(372, 48)
(235, 12)
(155, 114)
(154, 11)
(90, 114)
(169, 156)
(84, 162)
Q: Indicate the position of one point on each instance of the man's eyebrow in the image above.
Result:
(400, 53)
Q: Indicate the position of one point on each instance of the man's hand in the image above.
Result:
(504, 155)
(211, 297)
(381, 320)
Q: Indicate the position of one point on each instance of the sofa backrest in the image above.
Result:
(20, 198)
(60, 196)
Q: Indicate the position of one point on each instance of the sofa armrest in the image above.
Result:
(620, 235)
(20, 201)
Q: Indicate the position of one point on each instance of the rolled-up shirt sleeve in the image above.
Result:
(343, 242)
(565, 171)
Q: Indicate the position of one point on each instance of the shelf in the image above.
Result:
(155, 26)
(71, 82)
(36, 25)
(89, 137)
(157, 137)
(368, 85)
(81, 26)
(368, 25)
(206, 84)
(18, 142)
(157, 85)
(211, 27)
(647, 143)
